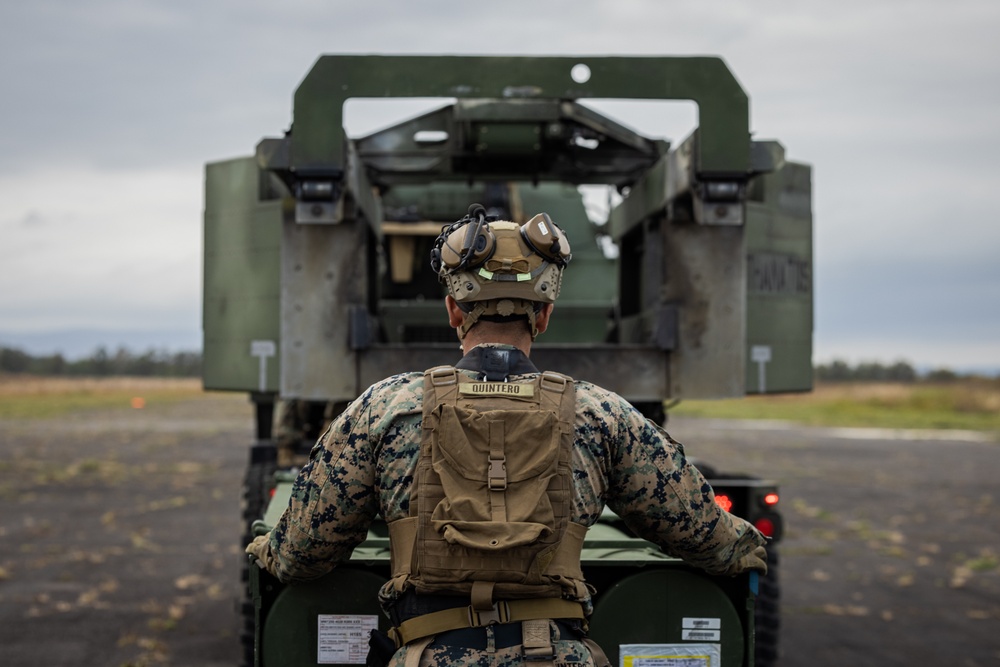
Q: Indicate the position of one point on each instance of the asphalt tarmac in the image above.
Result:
(892, 548)
(119, 538)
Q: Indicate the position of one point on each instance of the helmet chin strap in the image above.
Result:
(470, 320)
(480, 309)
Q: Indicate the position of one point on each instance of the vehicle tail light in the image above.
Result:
(771, 499)
(765, 526)
(724, 501)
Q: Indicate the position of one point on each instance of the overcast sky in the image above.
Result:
(110, 108)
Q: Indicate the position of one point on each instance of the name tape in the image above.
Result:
(496, 389)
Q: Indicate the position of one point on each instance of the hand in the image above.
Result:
(755, 560)
(261, 548)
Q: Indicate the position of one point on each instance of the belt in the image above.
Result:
(503, 612)
(505, 635)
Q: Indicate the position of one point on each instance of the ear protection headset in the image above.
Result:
(497, 269)
(458, 249)
(470, 242)
(545, 238)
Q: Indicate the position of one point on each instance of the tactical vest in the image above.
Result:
(490, 506)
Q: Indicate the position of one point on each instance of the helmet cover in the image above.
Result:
(498, 268)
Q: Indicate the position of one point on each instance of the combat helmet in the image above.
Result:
(500, 271)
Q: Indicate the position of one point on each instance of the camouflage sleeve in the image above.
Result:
(666, 500)
(332, 503)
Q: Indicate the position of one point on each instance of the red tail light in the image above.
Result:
(771, 499)
(724, 501)
(272, 492)
(765, 525)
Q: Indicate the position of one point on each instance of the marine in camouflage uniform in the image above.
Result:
(365, 464)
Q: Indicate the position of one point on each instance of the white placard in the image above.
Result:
(263, 348)
(702, 623)
(343, 638)
(673, 661)
(762, 355)
(689, 635)
(670, 655)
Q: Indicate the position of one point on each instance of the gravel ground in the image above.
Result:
(119, 538)
(892, 547)
(119, 535)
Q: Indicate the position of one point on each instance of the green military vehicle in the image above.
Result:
(317, 284)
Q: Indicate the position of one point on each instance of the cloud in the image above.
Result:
(112, 107)
(32, 219)
(940, 312)
(104, 248)
(927, 298)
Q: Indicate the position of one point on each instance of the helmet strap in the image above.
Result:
(480, 308)
(470, 319)
(531, 323)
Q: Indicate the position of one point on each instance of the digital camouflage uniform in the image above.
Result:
(365, 462)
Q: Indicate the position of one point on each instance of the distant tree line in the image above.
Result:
(900, 371)
(102, 363)
(188, 364)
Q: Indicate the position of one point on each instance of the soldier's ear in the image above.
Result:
(455, 314)
(542, 318)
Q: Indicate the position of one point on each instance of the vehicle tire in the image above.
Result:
(767, 618)
(653, 411)
(256, 493)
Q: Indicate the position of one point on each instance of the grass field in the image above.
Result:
(971, 403)
(32, 397)
(963, 404)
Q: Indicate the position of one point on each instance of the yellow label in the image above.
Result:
(496, 389)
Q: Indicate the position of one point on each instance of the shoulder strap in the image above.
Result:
(559, 394)
(440, 385)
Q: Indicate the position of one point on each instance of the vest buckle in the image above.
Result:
(500, 613)
(497, 474)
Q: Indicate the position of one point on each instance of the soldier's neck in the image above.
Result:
(474, 338)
